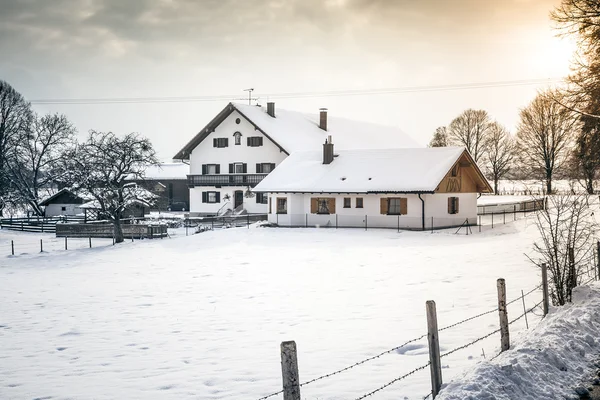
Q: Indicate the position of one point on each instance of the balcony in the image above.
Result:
(225, 180)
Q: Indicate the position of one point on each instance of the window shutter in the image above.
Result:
(260, 141)
(383, 205)
(203, 169)
(270, 205)
(403, 206)
(331, 205)
(314, 205)
(231, 168)
(244, 168)
(456, 210)
(248, 141)
(204, 197)
(226, 140)
(258, 168)
(218, 197)
(272, 166)
(215, 142)
(218, 169)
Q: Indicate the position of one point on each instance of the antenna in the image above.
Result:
(249, 95)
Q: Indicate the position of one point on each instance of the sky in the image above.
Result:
(212, 50)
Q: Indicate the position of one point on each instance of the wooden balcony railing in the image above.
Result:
(225, 180)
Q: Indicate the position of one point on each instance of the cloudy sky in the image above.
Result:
(112, 49)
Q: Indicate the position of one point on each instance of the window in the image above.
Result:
(237, 121)
(238, 138)
(347, 202)
(211, 169)
(264, 168)
(63, 209)
(394, 206)
(262, 198)
(322, 205)
(359, 202)
(220, 142)
(452, 205)
(238, 168)
(281, 205)
(255, 141)
(454, 171)
(211, 197)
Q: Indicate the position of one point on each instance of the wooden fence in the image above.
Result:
(106, 230)
(36, 224)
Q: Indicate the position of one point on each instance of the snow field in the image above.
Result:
(203, 316)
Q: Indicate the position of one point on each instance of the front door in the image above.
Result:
(238, 196)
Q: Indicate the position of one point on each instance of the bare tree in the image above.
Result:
(500, 154)
(440, 137)
(470, 129)
(566, 223)
(15, 118)
(35, 160)
(102, 167)
(544, 136)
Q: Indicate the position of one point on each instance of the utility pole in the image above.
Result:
(249, 95)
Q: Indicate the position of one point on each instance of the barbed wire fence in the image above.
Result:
(590, 271)
(29, 245)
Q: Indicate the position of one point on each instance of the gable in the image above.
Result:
(62, 197)
(464, 177)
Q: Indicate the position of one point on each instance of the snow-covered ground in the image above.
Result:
(202, 316)
(548, 363)
(507, 199)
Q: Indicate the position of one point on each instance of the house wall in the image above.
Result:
(53, 210)
(250, 203)
(436, 206)
(205, 153)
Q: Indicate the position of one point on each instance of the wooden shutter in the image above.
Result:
(331, 205)
(383, 205)
(204, 197)
(314, 205)
(258, 197)
(258, 168)
(270, 206)
(226, 140)
(244, 168)
(218, 169)
(203, 169)
(231, 168)
(403, 206)
(456, 210)
(218, 197)
(272, 166)
(215, 142)
(260, 140)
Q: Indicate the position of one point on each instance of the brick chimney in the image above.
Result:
(328, 151)
(271, 109)
(323, 118)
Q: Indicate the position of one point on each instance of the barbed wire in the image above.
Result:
(467, 319)
(426, 397)
(393, 381)
(270, 395)
(526, 312)
(525, 295)
(470, 343)
(363, 361)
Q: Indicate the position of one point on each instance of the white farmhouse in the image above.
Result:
(244, 143)
(406, 188)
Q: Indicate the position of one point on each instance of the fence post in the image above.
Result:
(435, 365)
(90, 238)
(248, 220)
(598, 253)
(336, 221)
(66, 248)
(504, 216)
(306, 219)
(514, 212)
(12, 247)
(492, 220)
(366, 224)
(41, 246)
(289, 371)
(573, 280)
(504, 336)
(186, 228)
(524, 309)
(431, 224)
(545, 288)
(398, 223)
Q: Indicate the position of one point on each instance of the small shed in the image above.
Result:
(62, 203)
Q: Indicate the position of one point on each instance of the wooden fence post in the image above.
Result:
(289, 371)
(12, 247)
(524, 309)
(598, 265)
(545, 288)
(573, 275)
(504, 336)
(66, 243)
(366, 224)
(492, 220)
(90, 238)
(435, 365)
(41, 246)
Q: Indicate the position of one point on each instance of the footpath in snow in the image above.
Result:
(548, 362)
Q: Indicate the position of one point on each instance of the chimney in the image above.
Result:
(328, 151)
(323, 119)
(271, 109)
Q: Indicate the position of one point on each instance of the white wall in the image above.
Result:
(53, 210)
(205, 153)
(436, 206)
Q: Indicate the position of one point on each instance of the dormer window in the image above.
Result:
(238, 138)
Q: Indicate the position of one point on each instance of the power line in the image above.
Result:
(296, 95)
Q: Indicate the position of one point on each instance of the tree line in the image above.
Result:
(558, 134)
(41, 153)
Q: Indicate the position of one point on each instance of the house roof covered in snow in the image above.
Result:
(293, 131)
(410, 170)
(66, 196)
(167, 171)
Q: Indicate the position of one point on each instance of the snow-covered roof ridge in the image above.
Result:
(176, 170)
(408, 170)
(296, 131)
